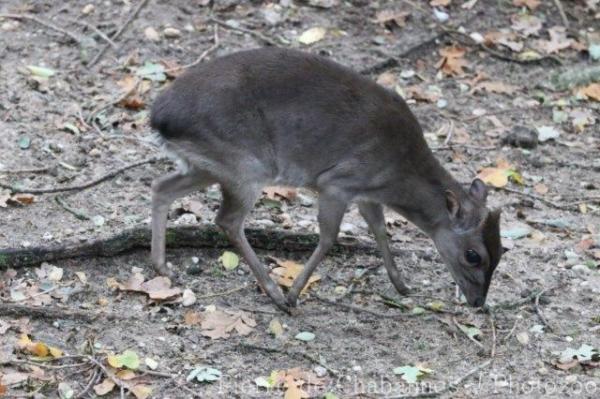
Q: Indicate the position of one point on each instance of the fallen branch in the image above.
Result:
(42, 22)
(80, 187)
(52, 313)
(118, 33)
(203, 236)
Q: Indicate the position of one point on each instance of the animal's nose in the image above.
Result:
(478, 302)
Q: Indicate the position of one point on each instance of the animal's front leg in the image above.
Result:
(373, 215)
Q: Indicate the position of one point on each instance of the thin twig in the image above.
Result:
(89, 184)
(562, 13)
(88, 386)
(42, 22)
(361, 310)
(118, 33)
(493, 325)
(112, 102)
(205, 53)
(223, 293)
(479, 344)
(79, 215)
(512, 330)
(258, 35)
(539, 312)
(97, 31)
(450, 132)
(23, 171)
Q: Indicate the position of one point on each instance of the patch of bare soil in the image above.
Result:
(75, 328)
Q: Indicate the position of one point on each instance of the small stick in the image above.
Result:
(205, 53)
(493, 325)
(532, 196)
(288, 353)
(359, 309)
(88, 385)
(112, 102)
(102, 35)
(118, 33)
(81, 186)
(479, 344)
(23, 171)
(539, 311)
(450, 132)
(43, 23)
(258, 35)
(512, 330)
(223, 293)
(562, 13)
(79, 215)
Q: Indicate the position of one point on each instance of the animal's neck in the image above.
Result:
(421, 198)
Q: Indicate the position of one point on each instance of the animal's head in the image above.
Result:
(470, 242)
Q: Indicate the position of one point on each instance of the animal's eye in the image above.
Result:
(473, 257)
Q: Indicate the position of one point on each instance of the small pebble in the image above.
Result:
(88, 9)
(151, 34)
(320, 371)
(172, 33)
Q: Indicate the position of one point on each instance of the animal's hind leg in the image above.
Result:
(165, 190)
(238, 201)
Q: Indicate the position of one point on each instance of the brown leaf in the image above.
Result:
(23, 199)
(527, 25)
(220, 324)
(391, 18)
(276, 192)
(160, 288)
(541, 188)
(592, 91)
(419, 94)
(439, 3)
(192, 318)
(452, 61)
(531, 4)
(287, 272)
(494, 87)
(104, 387)
(504, 38)
(558, 41)
(133, 102)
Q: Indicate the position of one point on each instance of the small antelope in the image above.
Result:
(274, 116)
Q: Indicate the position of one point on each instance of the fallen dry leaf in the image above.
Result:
(417, 93)
(278, 192)
(540, 188)
(192, 318)
(287, 272)
(387, 79)
(392, 18)
(558, 41)
(159, 288)
(592, 91)
(499, 175)
(531, 4)
(494, 87)
(452, 61)
(504, 38)
(440, 3)
(526, 24)
(219, 324)
(104, 387)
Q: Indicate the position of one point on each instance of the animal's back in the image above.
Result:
(288, 115)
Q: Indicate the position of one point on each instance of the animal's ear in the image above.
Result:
(452, 204)
(478, 190)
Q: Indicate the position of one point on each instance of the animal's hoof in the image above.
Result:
(292, 300)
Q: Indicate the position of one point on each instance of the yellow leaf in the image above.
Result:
(592, 91)
(287, 272)
(39, 349)
(141, 391)
(114, 361)
(55, 352)
(494, 176)
(104, 387)
(24, 341)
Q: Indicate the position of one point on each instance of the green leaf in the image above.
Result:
(229, 260)
(204, 374)
(69, 127)
(436, 306)
(41, 72)
(330, 395)
(305, 336)
(24, 142)
(585, 353)
(417, 310)
(151, 71)
(411, 374)
(471, 331)
(130, 359)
